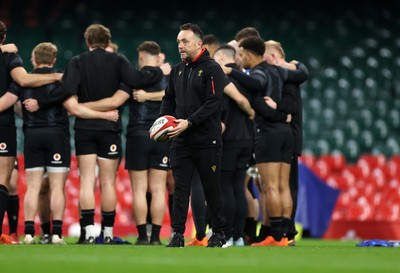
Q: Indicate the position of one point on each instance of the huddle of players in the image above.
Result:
(143, 111)
(272, 142)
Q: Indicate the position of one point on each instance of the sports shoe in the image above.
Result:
(45, 239)
(217, 239)
(155, 242)
(8, 240)
(142, 242)
(195, 242)
(108, 240)
(89, 241)
(177, 240)
(29, 239)
(270, 241)
(229, 242)
(14, 238)
(239, 242)
(57, 240)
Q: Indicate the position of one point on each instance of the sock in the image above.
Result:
(57, 227)
(3, 204)
(265, 231)
(29, 228)
(108, 232)
(46, 228)
(170, 202)
(83, 231)
(12, 212)
(108, 218)
(155, 232)
(142, 231)
(286, 223)
(87, 222)
(251, 227)
(276, 227)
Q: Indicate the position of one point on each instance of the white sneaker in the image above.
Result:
(229, 242)
(56, 240)
(209, 234)
(239, 242)
(29, 239)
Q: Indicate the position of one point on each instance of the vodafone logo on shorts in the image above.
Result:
(3, 147)
(113, 149)
(164, 162)
(56, 159)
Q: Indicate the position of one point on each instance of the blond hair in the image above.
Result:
(271, 44)
(45, 53)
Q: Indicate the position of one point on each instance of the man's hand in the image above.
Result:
(227, 70)
(166, 68)
(289, 118)
(140, 95)
(111, 115)
(183, 124)
(252, 114)
(9, 48)
(223, 127)
(31, 105)
(271, 103)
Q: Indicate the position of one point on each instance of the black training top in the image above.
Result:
(268, 80)
(98, 74)
(143, 114)
(53, 116)
(239, 128)
(194, 92)
(8, 61)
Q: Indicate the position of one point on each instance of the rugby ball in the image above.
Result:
(161, 127)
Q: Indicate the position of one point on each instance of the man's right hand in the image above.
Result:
(31, 105)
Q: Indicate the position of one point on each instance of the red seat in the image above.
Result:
(372, 160)
(336, 162)
(308, 159)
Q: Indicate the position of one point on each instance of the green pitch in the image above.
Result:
(308, 256)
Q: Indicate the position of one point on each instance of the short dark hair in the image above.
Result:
(150, 47)
(193, 27)
(3, 30)
(247, 32)
(228, 48)
(209, 39)
(253, 44)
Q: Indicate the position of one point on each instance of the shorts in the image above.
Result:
(143, 153)
(8, 141)
(236, 158)
(274, 147)
(104, 144)
(47, 148)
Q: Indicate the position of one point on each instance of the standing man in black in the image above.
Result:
(275, 55)
(11, 68)
(193, 96)
(238, 138)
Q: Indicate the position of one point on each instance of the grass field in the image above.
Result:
(307, 256)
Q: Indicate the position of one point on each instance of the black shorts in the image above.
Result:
(105, 144)
(236, 158)
(274, 147)
(143, 153)
(47, 148)
(8, 141)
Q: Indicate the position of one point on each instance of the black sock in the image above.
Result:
(29, 228)
(108, 218)
(276, 227)
(142, 231)
(87, 217)
(170, 202)
(46, 227)
(57, 227)
(3, 204)
(251, 227)
(155, 232)
(82, 237)
(265, 231)
(12, 212)
(286, 223)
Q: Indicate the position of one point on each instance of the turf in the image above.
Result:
(306, 256)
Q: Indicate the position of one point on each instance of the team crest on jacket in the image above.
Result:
(199, 73)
